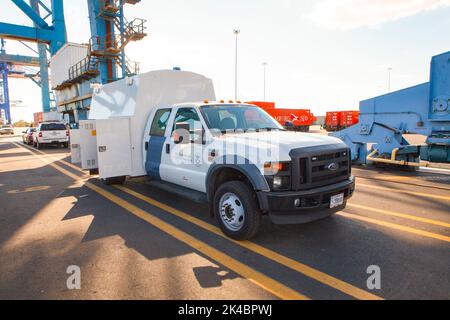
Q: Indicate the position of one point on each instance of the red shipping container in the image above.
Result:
(302, 119)
(38, 118)
(332, 120)
(348, 118)
(263, 105)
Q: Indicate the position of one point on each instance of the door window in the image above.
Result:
(160, 122)
(188, 120)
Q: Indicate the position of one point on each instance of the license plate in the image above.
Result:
(337, 201)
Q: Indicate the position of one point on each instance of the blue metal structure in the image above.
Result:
(43, 65)
(111, 32)
(53, 35)
(106, 60)
(423, 109)
(4, 90)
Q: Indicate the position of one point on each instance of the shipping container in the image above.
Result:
(296, 119)
(338, 120)
(66, 57)
(348, 119)
(38, 118)
(263, 105)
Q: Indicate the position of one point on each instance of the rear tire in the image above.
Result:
(233, 200)
(38, 145)
(114, 181)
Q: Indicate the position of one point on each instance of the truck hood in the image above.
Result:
(278, 144)
(286, 139)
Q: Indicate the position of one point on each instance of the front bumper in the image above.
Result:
(315, 203)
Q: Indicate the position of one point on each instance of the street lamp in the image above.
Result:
(265, 67)
(389, 79)
(236, 33)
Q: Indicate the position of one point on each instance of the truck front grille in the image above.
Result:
(321, 167)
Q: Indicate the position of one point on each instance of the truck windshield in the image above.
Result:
(229, 118)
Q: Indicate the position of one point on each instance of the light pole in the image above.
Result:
(389, 79)
(236, 32)
(265, 67)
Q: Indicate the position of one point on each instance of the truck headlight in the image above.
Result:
(278, 175)
(281, 183)
(277, 182)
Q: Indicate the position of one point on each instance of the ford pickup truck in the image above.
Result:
(246, 165)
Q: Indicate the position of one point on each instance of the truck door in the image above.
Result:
(183, 160)
(156, 142)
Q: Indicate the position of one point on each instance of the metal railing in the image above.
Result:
(105, 45)
(88, 65)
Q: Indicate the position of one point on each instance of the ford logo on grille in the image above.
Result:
(333, 166)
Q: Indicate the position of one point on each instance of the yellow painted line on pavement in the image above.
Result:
(45, 158)
(400, 215)
(272, 255)
(414, 193)
(404, 180)
(270, 285)
(396, 226)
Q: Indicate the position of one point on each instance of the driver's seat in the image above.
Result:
(227, 124)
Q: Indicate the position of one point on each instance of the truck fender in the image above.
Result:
(244, 166)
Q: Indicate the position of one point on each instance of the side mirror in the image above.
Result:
(178, 138)
(181, 133)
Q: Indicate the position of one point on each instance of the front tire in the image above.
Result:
(237, 210)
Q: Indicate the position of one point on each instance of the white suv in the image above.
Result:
(55, 133)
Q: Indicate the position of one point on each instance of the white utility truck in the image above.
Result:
(233, 156)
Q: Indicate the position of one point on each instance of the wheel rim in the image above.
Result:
(232, 211)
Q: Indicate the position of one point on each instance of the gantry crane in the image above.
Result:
(48, 30)
(105, 62)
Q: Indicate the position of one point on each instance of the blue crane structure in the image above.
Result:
(44, 34)
(5, 108)
(423, 109)
(105, 62)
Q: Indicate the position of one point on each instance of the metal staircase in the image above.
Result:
(112, 46)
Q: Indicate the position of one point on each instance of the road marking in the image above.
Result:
(269, 284)
(404, 181)
(420, 194)
(272, 255)
(395, 226)
(30, 189)
(43, 157)
(400, 215)
(276, 288)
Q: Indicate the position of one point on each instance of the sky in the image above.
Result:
(323, 55)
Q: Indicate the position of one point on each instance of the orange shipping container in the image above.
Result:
(38, 118)
(348, 118)
(301, 119)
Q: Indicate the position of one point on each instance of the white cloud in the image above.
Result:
(351, 14)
